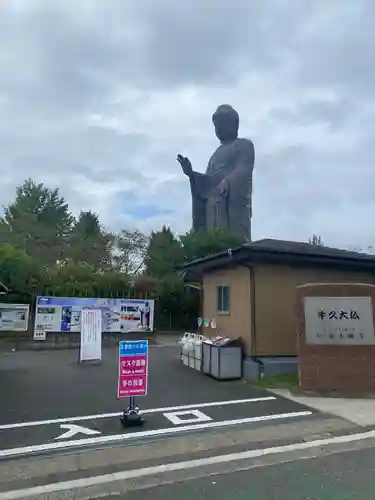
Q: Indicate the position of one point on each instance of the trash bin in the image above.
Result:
(191, 350)
(222, 359)
(196, 363)
(206, 357)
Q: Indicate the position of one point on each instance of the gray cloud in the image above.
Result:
(98, 99)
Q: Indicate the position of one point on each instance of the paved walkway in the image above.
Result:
(358, 411)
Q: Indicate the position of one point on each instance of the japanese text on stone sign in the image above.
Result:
(339, 320)
(338, 314)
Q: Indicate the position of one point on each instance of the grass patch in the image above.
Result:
(283, 381)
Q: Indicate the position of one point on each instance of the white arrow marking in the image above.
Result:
(74, 429)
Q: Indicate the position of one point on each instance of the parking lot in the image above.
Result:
(48, 401)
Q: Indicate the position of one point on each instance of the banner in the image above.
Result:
(14, 317)
(132, 368)
(91, 335)
(63, 314)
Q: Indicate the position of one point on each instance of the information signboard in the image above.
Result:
(339, 320)
(63, 314)
(91, 335)
(14, 317)
(132, 368)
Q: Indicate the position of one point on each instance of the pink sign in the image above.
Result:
(132, 368)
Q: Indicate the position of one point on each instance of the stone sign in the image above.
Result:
(339, 320)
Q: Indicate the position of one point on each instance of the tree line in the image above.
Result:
(46, 250)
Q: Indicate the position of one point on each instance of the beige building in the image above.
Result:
(251, 290)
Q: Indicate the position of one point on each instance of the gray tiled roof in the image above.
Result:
(300, 248)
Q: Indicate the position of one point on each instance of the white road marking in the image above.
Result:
(74, 429)
(178, 466)
(144, 412)
(195, 416)
(144, 434)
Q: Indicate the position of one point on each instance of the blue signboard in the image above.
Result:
(133, 348)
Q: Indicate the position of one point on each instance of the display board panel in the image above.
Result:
(63, 314)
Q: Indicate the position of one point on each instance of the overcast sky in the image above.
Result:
(98, 96)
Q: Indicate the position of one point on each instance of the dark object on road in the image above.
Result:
(132, 417)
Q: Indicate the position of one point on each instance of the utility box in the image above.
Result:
(222, 359)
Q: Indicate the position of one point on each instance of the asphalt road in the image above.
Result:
(342, 476)
(50, 387)
(51, 384)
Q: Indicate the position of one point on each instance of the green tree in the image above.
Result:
(89, 243)
(129, 251)
(72, 279)
(164, 253)
(112, 284)
(316, 240)
(176, 304)
(20, 273)
(202, 243)
(38, 222)
(45, 251)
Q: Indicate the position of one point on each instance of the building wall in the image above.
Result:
(236, 323)
(275, 303)
(274, 294)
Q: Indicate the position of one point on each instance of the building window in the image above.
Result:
(223, 299)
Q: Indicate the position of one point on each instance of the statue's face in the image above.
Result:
(226, 126)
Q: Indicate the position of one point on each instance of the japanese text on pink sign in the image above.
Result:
(133, 368)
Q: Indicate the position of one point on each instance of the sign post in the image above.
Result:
(91, 335)
(132, 378)
(14, 317)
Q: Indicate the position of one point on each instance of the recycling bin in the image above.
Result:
(191, 350)
(206, 357)
(222, 361)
